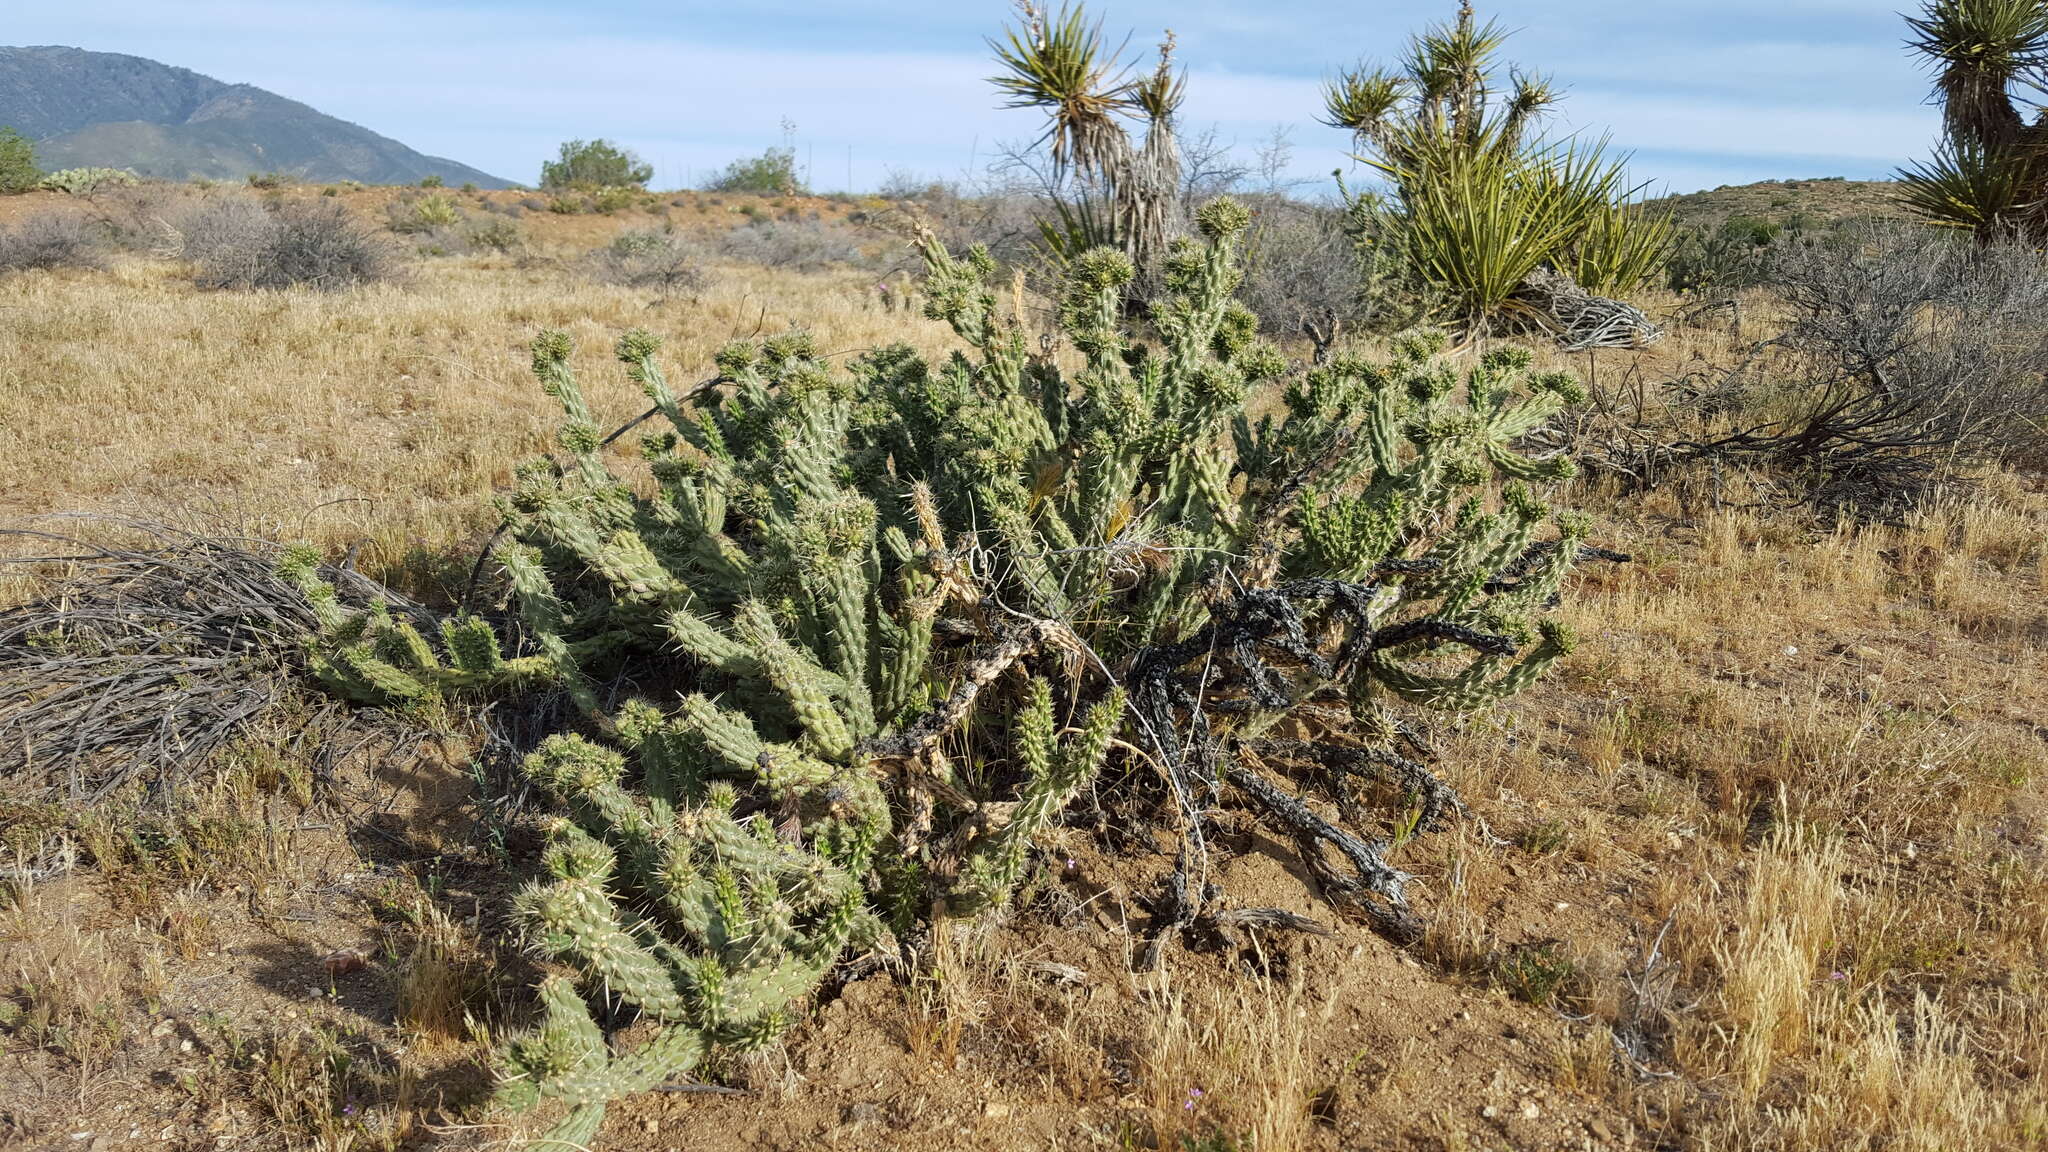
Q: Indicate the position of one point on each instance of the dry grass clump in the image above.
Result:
(1823, 746)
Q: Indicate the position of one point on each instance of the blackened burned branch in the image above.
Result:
(1485, 643)
(1438, 799)
(1376, 889)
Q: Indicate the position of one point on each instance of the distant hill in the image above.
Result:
(1810, 203)
(92, 109)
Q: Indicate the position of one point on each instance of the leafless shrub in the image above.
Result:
(647, 259)
(49, 240)
(224, 237)
(1004, 221)
(1910, 356)
(1302, 272)
(237, 242)
(322, 246)
(802, 246)
(133, 218)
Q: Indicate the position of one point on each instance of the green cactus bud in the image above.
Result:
(570, 765)
(1222, 218)
(580, 438)
(637, 344)
(1563, 385)
(551, 349)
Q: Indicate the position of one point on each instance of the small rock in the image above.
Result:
(343, 961)
(1489, 1112)
(650, 1126)
(996, 1110)
(1530, 1111)
(1600, 1130)
(860, 1115)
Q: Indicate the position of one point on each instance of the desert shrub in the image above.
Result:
(433, 212)
(772, 173)
(238, 243)
(801, 245)
(1003, 221)
(1908, 355)
(322, 246)
(615, 198)
(1707, 260)
(594, 164)
(647, 259)
(433, 180)
(1304, 274)
(49, 240)
(224, 238)
(87, 181)
(270, 181)
(902, 185)
(916, 605)
(493, 236)
(134, 218)
(18, 171)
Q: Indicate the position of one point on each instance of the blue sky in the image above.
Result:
(1702, 92)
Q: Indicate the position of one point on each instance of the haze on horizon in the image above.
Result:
(1702, 94)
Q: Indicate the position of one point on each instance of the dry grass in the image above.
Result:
(1230, 1065)
(383, 416)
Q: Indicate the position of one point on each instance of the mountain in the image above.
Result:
(1809, 203)
(92, 109)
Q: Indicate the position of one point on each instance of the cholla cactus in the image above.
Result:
(781, 594)
(1114, 493)
(717, 856)
(378, 657)
(1375, 540)
(86, 181)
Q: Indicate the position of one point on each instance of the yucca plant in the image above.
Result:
(1988, 176)
(1123, 193)
(1476, 201)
